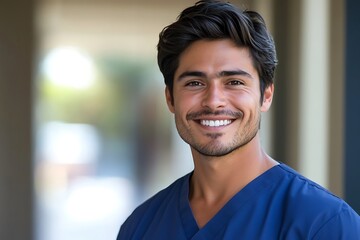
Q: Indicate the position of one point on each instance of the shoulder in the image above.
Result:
(307, 195)
(309, 205)
(304, 188)
(143, 215)
(153, 203)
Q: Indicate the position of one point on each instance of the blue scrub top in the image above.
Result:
(279, 204)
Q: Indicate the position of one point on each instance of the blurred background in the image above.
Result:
(85, 134)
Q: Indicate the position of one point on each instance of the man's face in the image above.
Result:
(216, 97)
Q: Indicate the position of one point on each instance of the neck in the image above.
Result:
(217, 179)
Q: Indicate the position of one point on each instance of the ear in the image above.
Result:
(268, 96)
(169, 100)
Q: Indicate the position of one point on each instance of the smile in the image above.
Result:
(215, 123)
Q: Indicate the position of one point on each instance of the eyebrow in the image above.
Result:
(227, 73)
(237, 72)
(191, 74)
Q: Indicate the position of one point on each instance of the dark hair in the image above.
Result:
(212, 20)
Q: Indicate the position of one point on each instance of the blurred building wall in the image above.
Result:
(16, 106)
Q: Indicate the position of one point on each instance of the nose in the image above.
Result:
(214, 97)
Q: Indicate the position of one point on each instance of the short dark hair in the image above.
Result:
(212, 20)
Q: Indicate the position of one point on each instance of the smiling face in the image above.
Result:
(216, 97)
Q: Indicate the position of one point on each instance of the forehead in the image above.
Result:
(213, 56)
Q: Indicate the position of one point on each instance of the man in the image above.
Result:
(218, 63)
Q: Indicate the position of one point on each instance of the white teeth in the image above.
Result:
(215, 123)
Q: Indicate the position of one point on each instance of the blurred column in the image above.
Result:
(352, 105)
(336, 97)
(16, 63)
(313, 90)
(286, 100)
(309, 84)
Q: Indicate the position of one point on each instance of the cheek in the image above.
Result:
(185, 102)
(245, 100)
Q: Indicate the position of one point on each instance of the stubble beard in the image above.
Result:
(216, 147)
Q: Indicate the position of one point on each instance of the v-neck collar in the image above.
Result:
(224, 215)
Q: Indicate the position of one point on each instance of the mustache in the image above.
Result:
(206, 112)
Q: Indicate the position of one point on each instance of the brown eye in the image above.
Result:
(194, 84)
(236, 82)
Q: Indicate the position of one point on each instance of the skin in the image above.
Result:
(217, 109)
